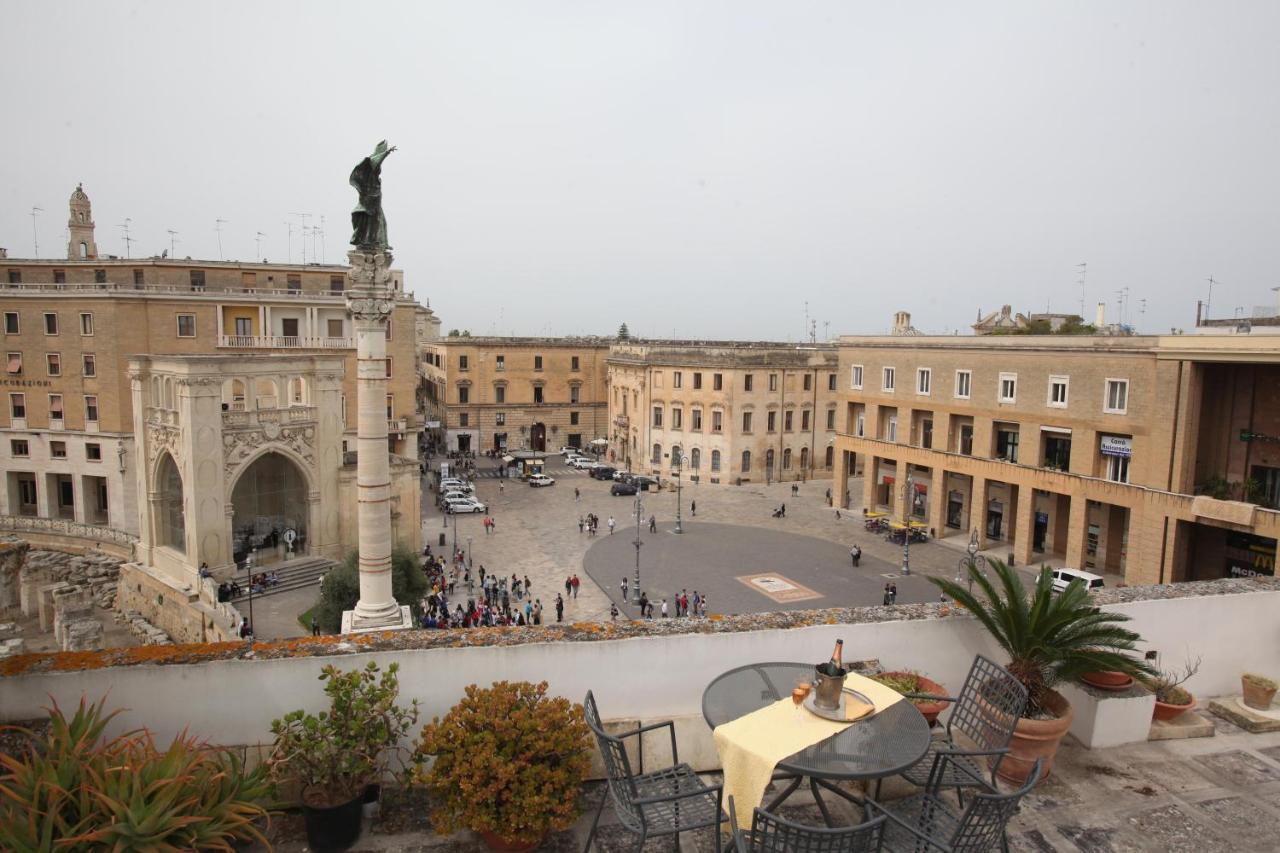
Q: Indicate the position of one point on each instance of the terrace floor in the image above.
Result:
(1203, 794)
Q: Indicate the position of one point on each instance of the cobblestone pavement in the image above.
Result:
(537, 534)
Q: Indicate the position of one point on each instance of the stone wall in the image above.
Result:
(13, 553)
(157, 599)
(98, 573)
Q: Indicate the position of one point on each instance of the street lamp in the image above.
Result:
(248, 567)
(639, 512)
(972, 560)
(906, 521)
(679, 488)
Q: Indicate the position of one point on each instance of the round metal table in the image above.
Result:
(883, 744)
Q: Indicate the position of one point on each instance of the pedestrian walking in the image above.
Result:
(577, 495)
(576, 583)
(568, 586)
(611, 523)
(664, 608)
(653, 524)
(783, 510)
(613, 612)
(693, 507)
(315, 627)
(502, 487)
(795, 490)
(559, 608)
(624, 586)
(581, 523)
(854, 554)
(893, 593)
(886, 594)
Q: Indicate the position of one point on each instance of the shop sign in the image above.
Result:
(1115, 445)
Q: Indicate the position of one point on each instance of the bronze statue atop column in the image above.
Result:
(367, 220)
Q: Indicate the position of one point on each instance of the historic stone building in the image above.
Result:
(500, 393)
(732, 412)
(1157, 458)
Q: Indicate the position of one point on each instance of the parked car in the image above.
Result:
(568, 451)
(1064, 576)
(464, 505)
(603, 472)
(644, 481)
(457, 494)
(581, 463)
(453, 484)
(623, 488)
(541, 480)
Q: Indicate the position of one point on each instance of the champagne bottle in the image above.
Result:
(835, 666)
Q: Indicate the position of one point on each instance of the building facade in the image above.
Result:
(507, 393)
(1155, 458)
(726, 411)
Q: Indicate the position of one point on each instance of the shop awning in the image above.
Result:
(508, 459)
(600, 441)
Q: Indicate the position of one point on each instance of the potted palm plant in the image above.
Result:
(1049, 638)
(334, 756)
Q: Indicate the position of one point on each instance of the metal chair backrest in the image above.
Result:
(983, 823)
(989, 705)
(622, 789)
(772, 834)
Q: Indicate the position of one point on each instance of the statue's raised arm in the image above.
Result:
(369, 225)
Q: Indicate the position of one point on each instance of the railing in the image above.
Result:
(397, 425)
(66, 527)
(261, 417)
(113, 286)
(285, 342)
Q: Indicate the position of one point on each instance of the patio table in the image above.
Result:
(883, 744)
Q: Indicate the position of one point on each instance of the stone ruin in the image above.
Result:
(149, 634)
(60, 589)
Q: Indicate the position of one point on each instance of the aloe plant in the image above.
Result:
(1049, 638)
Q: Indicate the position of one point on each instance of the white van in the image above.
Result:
(1064, 576)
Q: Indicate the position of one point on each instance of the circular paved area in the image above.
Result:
(744, 569)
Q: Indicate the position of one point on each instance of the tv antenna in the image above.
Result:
(1083, 269)
(128, 241)
(173, 242)
(324, 256)
(289, 240)
(1209, 301)
(35, 234)
(217, 226)
(303, 217)
(257, 244)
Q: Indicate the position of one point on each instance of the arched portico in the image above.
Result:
(271, 495)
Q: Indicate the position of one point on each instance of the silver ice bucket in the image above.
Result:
(827, 688)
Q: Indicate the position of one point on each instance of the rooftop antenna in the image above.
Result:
(289, 240)
(35, 234)
(1142, 310)
(806, 318)
(173, 241)
(217, 226)
(257, 244)
(1084, 269)
(324, 256)
(124, 226)
(826, 330)
(303, 217)
(1210, 299)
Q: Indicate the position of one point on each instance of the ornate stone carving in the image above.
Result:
(162, 438)
(368, 308)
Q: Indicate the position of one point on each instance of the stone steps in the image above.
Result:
(295, 574)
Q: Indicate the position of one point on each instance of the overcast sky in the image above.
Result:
(690, 168)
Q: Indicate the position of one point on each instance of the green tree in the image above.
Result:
(341, 589)
(453, 333)
(623, 332)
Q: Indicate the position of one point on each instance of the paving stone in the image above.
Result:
(1051, 794)
(1091, 839)
(1244, 819)
(1174, 777)
(1032, 841)
(1237, 767)
(1172, 830)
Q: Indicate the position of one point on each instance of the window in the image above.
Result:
(197, 279)
(86, 324)
(924, 380)
(746, 382)
(804, 420)
(831, 419)
(657, 454)
(244, 327)
(860, 424)
(500, 418)
(388, 360)
(51, 324)
(334, 328)
(100, 276)
(746, 421)
(19, 447)
(575, 391)
(1118, 469)
(697, 381)
(18, 405)
(695, 419)
(964, 383)
(831, 382)
(500, 394)
(337, 284)
(1007, 445)
(831, 456)
(500, 362)
(15, 276)
(89, 364)
(537, 362)
(537, 394)
(53, 364)
(771, 421)
(391, 407)
(1117, 402)
(138, 278)
(1008, 387)
(746, 461)
(855, 377)
(58, 449)
(657, 416)
(891, 428)
(677, 417)
(966, 439)
(93, 452)
(55, 407)
(715, 460)
(187, 325)
(573, 419)
(464, 419)
(11, 322)
(464, 395)
(786, 459)
(808, 382)
(573, 363)
(787, 420)
(462, 362)
(294, 283)
(1058, 391)
(887, 378)
(773, 382)
(717, 382)
(59, 276)
(717, 421)
(676, 379)
(695, 458)
(14, 362)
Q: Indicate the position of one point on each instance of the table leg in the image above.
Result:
(817, 798)
(786, 792)
(852, 798)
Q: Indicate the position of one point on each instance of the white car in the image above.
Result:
(464, 505)
(581, 463)
(453, 484)
(568, 451)
(1064, 576)
(541, 480)
(457, 495)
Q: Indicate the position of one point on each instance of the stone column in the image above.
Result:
(370, 302)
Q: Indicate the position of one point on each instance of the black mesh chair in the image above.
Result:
(978, 729)
(662, 802)
(772, 834)
(924, 823)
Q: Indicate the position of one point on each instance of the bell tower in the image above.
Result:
(80, 226)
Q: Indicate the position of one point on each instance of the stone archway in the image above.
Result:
(269, 499)
(538, 437)
(170, 520)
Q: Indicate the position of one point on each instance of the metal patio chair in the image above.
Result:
(662, 802)
(772, 834)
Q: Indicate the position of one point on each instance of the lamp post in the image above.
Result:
(906, 521)
(972, 560)
(248, 567)
(679, 489)
(635, 593)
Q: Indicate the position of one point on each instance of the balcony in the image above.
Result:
(261, 417)
(284, 342)
(395, 425)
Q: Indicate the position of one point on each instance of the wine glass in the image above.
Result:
(800, 689)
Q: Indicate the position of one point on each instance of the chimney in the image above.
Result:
(1100, 319)
(4, 253)
(1200, 310)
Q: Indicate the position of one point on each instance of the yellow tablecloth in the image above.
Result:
(751, 746)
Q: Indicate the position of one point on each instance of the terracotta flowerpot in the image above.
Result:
(1165, 711)
(1107, 680)
(1034, 739)
(1256, 696)
(504, 845)
(930, 710)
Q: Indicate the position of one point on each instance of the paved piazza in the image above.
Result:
(733, 537)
